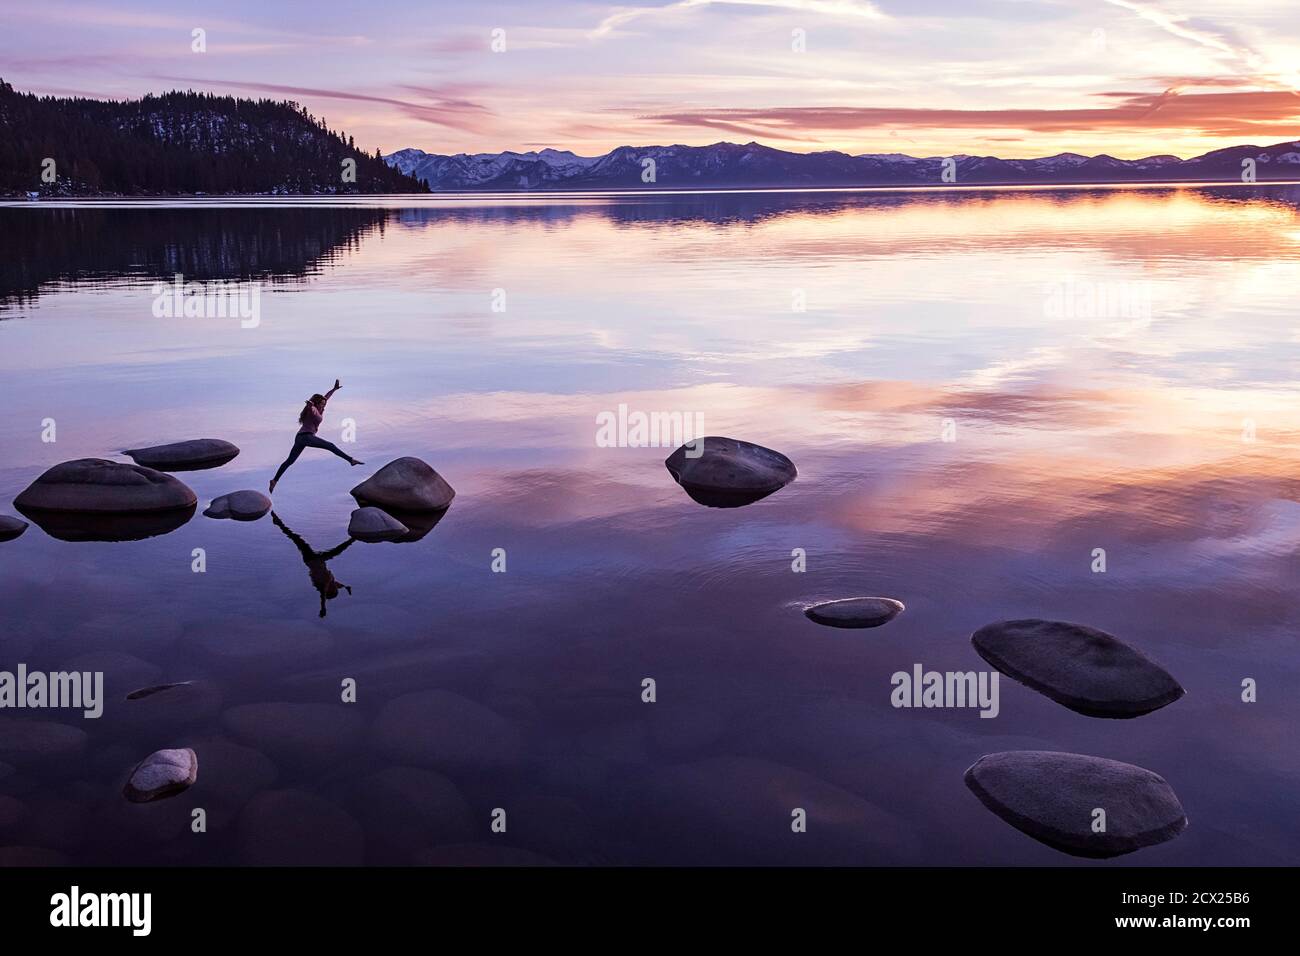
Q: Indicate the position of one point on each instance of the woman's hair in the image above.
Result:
(317, 401)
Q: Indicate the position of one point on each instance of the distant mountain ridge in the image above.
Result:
(180, 143)
(752, 165)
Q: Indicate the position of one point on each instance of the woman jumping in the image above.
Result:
(310, 418)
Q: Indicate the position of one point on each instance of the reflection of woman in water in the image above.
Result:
(321, 577)
(309, 419)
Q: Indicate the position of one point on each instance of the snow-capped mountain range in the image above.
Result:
(724, 165)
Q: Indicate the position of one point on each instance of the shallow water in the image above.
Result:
(1164, 430)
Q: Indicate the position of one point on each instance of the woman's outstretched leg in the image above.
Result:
(298, 446)
(316, 442)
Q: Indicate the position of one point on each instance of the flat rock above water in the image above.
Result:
(97, 486)
(164, 773)
(192, 455)
(1054, 798)
(727, 472)
(857, 612)
(244, 505)
(1085, 669)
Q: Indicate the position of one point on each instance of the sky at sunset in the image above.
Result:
(926, 77)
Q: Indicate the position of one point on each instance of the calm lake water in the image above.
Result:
(979, 389)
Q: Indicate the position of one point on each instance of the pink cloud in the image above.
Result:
(1236, 113)
(453, 112)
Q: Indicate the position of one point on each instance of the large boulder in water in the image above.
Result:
(239, 505)
(11, 528)
(97, 486)
(163, 773)
(855, 612)
(728, 473)
(1054, 797)
(407, 484)
(375, 524)
(192, 455)
(1083, 668)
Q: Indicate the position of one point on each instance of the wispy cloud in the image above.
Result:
(117, 17)
(443, 108)
(1180, 27)
(1224, 43)
(1255, 112)
(857, 9)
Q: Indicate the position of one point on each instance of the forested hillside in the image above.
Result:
(179, 143)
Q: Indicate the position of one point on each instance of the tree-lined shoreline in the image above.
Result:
(180, 143)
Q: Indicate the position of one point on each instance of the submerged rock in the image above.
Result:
(855, 612)
(303, 734)
(232, 774)
(296, 828)
(121, 671)
(729, 473)
(168, 705)
(403, 808)
(375, 524)
(144, 692)
(11, 811)
(31, 856)
(105, 487)
(239, 505)
(407, 484)
(445, 731)
(192, 455)
(162, 774)
(11, 528)
(739, 810)
(245, 642)
(479, 854)
(1085, 669)
(28, 741)
(1054, 798)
